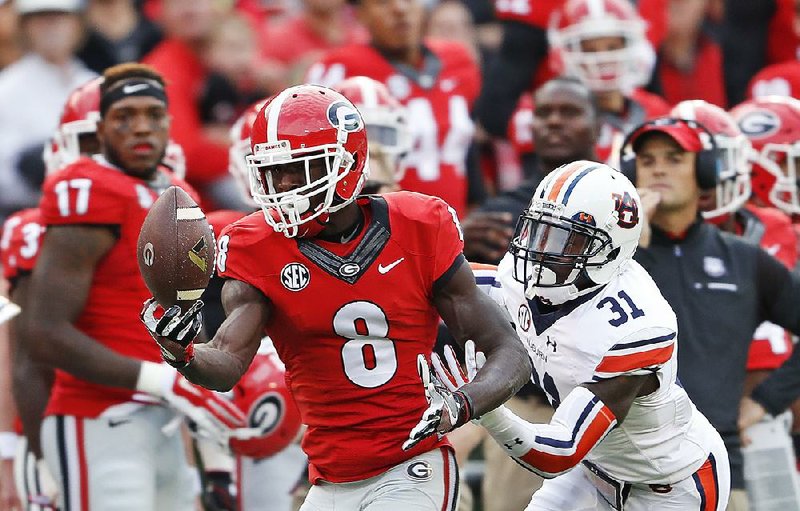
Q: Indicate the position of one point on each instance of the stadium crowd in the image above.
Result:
(475, 102)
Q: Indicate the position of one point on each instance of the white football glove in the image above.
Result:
(174, 332)
(213, 414)
(443, 397)
(453, 377)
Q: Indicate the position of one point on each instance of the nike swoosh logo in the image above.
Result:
(130, 89)
(773, 249)
(119, 422)
(386, 269)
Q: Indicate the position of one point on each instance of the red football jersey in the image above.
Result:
(222, 218)
(531, 12)
(88, 192)
(772, 345)
(19, 244)
(349, 321)
(438, 97)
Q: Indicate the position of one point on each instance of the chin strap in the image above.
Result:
(580, 422)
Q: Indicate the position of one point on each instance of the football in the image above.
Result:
(176, 249)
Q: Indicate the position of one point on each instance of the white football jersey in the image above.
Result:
(623, 328)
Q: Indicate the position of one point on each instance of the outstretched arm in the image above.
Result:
(219, 364)
(583, 419)
(470, 314)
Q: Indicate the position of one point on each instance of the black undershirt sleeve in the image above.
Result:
(779, 296)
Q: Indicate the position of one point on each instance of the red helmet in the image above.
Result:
(266, 401)
(240, 148)
(78, 118)
(733, 167)
(385, 117)
(621, 69)
(772, 123)
(302, 124)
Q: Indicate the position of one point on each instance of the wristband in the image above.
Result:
(8, 445)
(188, 356)
(465, 408)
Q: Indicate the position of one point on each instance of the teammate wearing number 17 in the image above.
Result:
(350, 289)
(603, 342)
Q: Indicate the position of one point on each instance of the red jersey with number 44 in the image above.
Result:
(438, 97)
(19, 244)
(349, 320)
(92, 193)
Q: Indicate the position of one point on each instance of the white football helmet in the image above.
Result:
(584, 219)
(581, 20)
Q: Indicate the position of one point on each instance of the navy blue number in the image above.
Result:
(548, 385)
(636, 312)
(621, 316)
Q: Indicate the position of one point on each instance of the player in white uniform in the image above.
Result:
(603, 342)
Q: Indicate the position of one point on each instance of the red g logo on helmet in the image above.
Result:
(627, 209)
(262, 394)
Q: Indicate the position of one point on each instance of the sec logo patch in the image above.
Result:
(419, 471)
(295, 276)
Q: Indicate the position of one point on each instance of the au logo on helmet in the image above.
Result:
(627, 209)
(345, 116)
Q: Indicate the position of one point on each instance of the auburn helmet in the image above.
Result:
(269, 407)
(585, 218)
(733, 167)
(579, 21)
(240, 148)
(314, 127)
(772, 123)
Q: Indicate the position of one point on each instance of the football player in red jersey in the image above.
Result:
(437, 81)
(105, 438)
(350, 291)
(603, 43)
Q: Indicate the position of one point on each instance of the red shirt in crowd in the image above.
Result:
(185, 74)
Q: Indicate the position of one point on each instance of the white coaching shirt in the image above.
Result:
(624, 328)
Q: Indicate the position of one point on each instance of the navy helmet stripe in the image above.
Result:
(574, 182)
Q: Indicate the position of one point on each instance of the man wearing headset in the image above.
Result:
(720, 286)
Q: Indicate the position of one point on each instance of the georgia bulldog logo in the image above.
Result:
(627, 209)
(759, 123)
(345, 116)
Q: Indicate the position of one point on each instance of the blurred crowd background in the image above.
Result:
(220, 55)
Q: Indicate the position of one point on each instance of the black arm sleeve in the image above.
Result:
(524, 47)
(779, 296)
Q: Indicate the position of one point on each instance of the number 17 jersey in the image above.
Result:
(348, 321)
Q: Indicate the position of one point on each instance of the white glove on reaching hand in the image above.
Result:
(454, 377)
(214, 415)
(174, 332)
(443, 396)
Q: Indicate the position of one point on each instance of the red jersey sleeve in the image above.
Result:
(234, 247)
(77, 195)
(449, 242)
(19, 243)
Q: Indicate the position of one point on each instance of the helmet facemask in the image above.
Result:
(780, 160)
(734, 187)
(621, 69)
(286, 211)
(551, 253)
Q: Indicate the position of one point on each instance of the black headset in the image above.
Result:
(707, 162)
